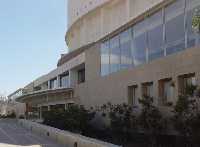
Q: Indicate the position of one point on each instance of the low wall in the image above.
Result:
(63, 137)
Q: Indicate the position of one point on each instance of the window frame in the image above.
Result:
(132, 95)
(144, 89)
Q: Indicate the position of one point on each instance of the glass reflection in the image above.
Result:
(174, 27)
(155, 36)
(114, 54)
(105, 58)
(139, 43)
(125, 45)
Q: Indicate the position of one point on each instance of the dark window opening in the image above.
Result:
(186, 81)
(147, 89)
(81, 76)
(132, 94)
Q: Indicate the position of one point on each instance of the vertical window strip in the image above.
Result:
(185, 22)
(146, 40)
(132, 46)
(120, 54)
(109, 50)
(164, 32)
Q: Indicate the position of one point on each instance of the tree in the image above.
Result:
(196, 20)
(122, 121)
(186, 117)
(150, 119)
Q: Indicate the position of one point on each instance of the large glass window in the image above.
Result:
(53, 83)
(167, 31)
(125, 45)
(114, 54)
(174, 27)
(193, 6)
(155, 36)
(105, 58)
(139, 43)
(64, 80)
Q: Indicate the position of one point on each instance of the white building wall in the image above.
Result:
(91, 20)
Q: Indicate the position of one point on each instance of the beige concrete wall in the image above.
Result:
(78, 8)
(97, 22)
(113, 88)
(63, 137)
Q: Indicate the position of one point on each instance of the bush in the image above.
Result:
(21, 117)
(150, 119)
(122, 121)
(75, 118)
(11, 115)
(186, 117)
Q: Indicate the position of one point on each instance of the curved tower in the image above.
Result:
(91, 20)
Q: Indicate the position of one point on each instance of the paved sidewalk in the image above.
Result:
(13, 135)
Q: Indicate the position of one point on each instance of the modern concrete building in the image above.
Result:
(120, 50)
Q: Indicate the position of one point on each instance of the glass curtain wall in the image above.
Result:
(165, 32)
(139, 43)
(175, 27)
(155, 36)
(64, 80)
(125, 46)
(105, 58)
(114, 54)
(53, 83)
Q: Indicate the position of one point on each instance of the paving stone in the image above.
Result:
(13, 135)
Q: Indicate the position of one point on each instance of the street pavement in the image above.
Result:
(13, 135)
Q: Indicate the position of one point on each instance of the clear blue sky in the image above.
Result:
(31, 40)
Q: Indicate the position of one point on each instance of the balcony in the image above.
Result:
(45, 96)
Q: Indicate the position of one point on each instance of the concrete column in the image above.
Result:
(69, 81)
(71, 95)
(49, 108)
(176, 88)
(40, 111)
(65, 106)
(156, 93)
(49, 87)
(58, 81)
(140, 91)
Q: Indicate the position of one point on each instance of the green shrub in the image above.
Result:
(122, 120)
(21, 117)
(75, 118)
(186, 117)
(150, 119)
(11, 115)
